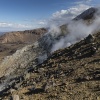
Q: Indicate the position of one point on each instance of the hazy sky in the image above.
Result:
(29, 14)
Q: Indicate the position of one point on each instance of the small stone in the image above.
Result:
(89, 38)
(27, 76)
(98, 98)
(12, 90)
(40, 70)
(15, 97)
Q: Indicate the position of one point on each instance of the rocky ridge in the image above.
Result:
(27, 36)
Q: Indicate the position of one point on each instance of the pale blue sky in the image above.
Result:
(28, 14)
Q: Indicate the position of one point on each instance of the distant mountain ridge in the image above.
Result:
(27, 36)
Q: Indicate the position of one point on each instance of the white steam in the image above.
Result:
(54, 30)
(77, 31)
(65, 15)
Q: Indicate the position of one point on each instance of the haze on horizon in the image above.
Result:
(18, 15)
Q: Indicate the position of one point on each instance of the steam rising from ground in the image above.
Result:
(77, 30)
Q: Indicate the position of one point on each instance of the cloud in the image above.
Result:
(88, 0)
(13, 26)
(71, 12)
(83, 2)
(65, 15)
(77, 31)
(42, 22)
(58, 18)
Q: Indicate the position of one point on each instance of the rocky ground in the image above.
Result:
(72, 73)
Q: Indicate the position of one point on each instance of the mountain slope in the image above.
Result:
(70, 73)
